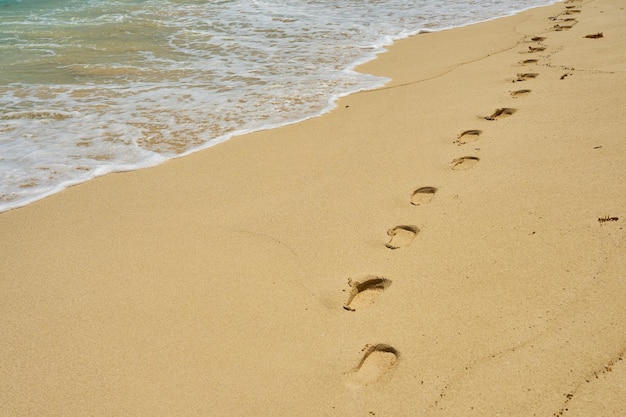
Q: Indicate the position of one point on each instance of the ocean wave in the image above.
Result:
(90, 87)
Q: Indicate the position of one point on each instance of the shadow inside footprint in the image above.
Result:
(501, 113)
(538, 39)
(423, 195)
(469, 136)
(377, 362)
(364, 291)
(520, 93)
(526, 76)
(529, 61)
(535, 49)
(465, 162)
(559, 28)
(401, 236)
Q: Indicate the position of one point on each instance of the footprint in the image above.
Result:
(559, 28)
(526, 76)
(572, 11)
(501, 113)
(401, 236)
(535, 49)
(520, 93)
(465, 162)
(364, 291)
(538, 39)
(423, 195)
(376, 364)
(469, 136)
(528, 61)
(595, 36)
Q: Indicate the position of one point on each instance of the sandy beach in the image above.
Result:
(452, 244)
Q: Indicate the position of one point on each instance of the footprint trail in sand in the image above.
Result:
(401, 236)
(520, 93)
(465, 162)
(501, 113)
(469, 136)
(365, 291)
(377, 362)
(423, 195)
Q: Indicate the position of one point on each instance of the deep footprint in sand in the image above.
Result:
(559, 28)
(535, 49)
(375, 366)
(528, 61)
(401, 236)
(469, 136)
(364, 291)
(526, 76)
(465, 162)
(501, 113)
(520, 93)
(423, 195)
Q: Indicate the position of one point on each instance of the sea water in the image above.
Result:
(89, 87)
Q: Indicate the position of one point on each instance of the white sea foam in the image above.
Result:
(92, 87)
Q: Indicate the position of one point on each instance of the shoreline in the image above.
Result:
(155, 159)
(411, 252)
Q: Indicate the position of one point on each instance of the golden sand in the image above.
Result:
(449, 245)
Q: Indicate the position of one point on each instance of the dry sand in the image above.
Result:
(399, 256)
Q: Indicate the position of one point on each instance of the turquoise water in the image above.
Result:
(89, 87)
